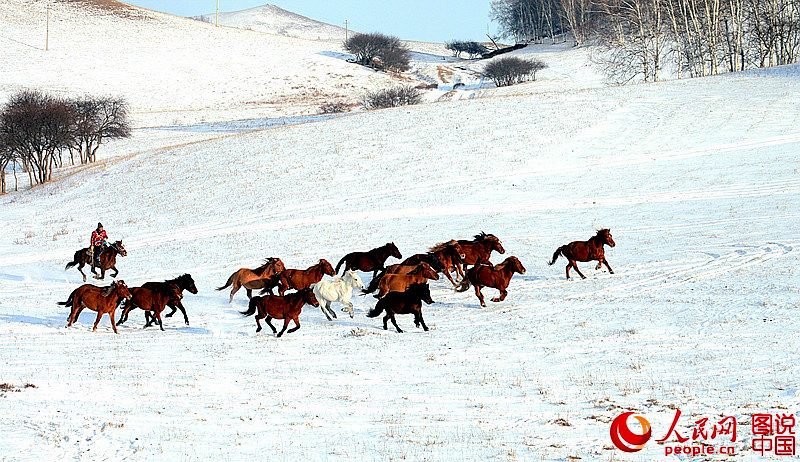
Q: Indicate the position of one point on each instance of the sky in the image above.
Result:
(429, 21)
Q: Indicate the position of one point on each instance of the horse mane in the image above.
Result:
(182, 278)
(441, 246)
(108, 289)
(504, 263)
(269, 261)
(165, 289)
(483, 236)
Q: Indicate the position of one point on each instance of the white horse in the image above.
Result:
(337, 290)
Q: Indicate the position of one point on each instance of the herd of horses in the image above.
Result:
(400, 288)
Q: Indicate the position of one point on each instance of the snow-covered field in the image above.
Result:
(698, 180)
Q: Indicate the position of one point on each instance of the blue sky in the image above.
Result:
(435, 21)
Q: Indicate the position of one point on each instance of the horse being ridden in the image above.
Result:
(479, 250)
(498, 277)
(337, 290)
(406, 302)
(301, 279)
(586, 251)
(152, 301)
(108, 260)
(286, 308)
(100, 299)
(184, 282)
(253, 279)
(372, 260)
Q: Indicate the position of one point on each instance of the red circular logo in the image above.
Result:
(626, 440)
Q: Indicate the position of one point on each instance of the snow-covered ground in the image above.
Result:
(698, 181)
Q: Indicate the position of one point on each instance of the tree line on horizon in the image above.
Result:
(640, 38)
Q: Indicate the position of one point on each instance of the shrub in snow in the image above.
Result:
(379, 50)
(473, 49)
(392, 97)
(510, 70)
(333, 107)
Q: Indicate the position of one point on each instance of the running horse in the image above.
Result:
(184, 282)
(103, 300)
(372, 260)
(108, 260)
(497, 277)
(253, 279)
(586, 251)
(478, 251)
(406, 302)
(152, 301)
(303, 279)
(449, 255)
(286, 308)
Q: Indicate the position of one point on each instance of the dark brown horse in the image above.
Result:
(152, 301)
(449, 255)
(479, 250)
(405, 268)
(184, 282)
(497, 277)
(286, 308)
(253, 279)
(586, 251)
(302, 279)
(103, 300)
(407, 302)
(108, 260)
(372, 260)
(401, 282)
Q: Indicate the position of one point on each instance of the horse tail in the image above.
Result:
(252, 307)
(374, 283)
(70, 301)
(339, 265)
(228, 284)
(559, 251)
(463, 286)
(75, 261)
(373, 313)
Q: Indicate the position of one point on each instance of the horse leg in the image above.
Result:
(235, 288)
(285, 325)
(249, 293)
(599, 264)
(160, 322)
(269, 323)
(606, 263)
(183, 310)
(503, 294)
(449, 278)
(394, 321)
(297, 325)
(328, 306)
(116, 271)
(575, 265)
(73, 315)
(324, 311)
(480, 295)
(80, 268)
(386, 320)
(113, 323)
(419, 320)
(97, 321)
(349, 309)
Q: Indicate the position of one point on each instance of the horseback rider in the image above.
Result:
(99, 242)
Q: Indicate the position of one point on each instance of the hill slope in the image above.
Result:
(275, 20)
(701, 194)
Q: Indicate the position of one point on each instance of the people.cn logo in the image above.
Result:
(626, 440)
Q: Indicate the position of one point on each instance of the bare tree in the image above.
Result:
(379, 50)
(97, 120)
(36, 127)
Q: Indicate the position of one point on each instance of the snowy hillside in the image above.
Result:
(698, 181)
(172, 70)
(275, 20)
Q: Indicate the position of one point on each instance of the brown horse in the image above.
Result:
(401, 282)
(372, 260)
(184, 282)
(302, 279)
(449, 255)
(491, 276)
(479, 250)
(100, 299)
(286, 308)
(108, 260)
(253, 279)
(152, 301)
(586, 251)
(407, 302)
(404, 268)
